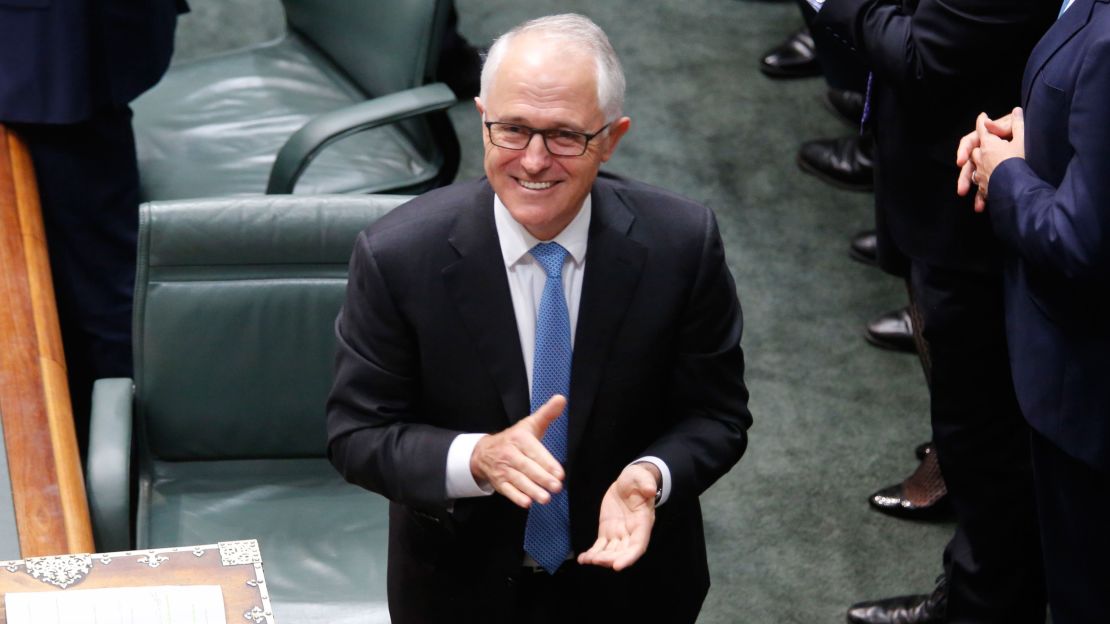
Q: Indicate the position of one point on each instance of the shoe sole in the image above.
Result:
(885, 345)
(940, 511)
(821, 175)
(780, 74)
(862, 257)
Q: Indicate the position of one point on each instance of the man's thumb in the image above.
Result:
(547, 414)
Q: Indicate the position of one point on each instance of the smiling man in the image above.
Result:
(542, 369)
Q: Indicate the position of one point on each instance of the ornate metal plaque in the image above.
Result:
(240, 553)
(60, 571)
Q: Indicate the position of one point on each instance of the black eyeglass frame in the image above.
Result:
(543, 136)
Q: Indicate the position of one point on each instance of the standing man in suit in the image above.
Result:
(935, 64)
(541, 369)
(1043, 176)
(68, 69)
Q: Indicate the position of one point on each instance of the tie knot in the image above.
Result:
(550, 256)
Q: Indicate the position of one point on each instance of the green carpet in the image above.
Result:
(790, 536)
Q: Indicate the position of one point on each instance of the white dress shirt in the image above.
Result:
(526, 282)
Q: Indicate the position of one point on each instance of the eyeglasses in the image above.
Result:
(558, 142)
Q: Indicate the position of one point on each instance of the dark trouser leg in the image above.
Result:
(993, 562)
(842, 69)
(89, 187)
(1073, 502)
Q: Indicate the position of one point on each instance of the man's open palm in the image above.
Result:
(627, 515)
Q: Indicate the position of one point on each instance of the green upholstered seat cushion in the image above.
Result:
(323, 540)
(213, 127)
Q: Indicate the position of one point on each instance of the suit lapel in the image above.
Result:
(477, 285)
(613, 266)
(1074, 19)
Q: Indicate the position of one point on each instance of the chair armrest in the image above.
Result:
(108, 475)
(318, 133)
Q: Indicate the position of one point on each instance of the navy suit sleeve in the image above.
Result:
(1065, 229)
(707, 383)
(373, 439)
(928, 45)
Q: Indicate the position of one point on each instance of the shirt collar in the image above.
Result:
(516, 242)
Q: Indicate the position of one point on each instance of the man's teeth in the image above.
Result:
(535, 186)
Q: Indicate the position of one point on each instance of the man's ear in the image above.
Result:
(482, 115)
(617, 129)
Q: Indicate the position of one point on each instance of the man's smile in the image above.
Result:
(535, 186)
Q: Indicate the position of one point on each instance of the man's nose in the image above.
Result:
(536, 157)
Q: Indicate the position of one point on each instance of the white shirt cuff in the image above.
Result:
(664, 472)
(460, 481)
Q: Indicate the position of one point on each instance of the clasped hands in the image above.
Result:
(518, 466)
(980, 151)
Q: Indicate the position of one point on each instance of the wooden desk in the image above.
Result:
(47, 487)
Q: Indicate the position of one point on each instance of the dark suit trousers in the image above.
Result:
(573, 595)
(842, 69)
(993, 562)
(1073, 502)
(88, 183)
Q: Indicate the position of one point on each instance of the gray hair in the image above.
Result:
(575, 29)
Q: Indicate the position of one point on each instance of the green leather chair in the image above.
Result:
(235, 304)
(252, 120)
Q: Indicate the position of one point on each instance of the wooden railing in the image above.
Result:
(48, 490)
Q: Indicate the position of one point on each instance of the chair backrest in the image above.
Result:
(383, 46)
(235, 303)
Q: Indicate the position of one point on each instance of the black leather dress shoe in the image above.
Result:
(846, 104)
(917, 609)
(840, 162)
(864, 247)
(893, 331)
(794, 58)
(921, 496)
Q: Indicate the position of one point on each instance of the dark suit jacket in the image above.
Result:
(63, 60)
(937, 64)
(428, 348)
(1053, 210)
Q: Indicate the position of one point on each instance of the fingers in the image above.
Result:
(981, 131)
(539, 420)
(977, 158)
(1018, 127)
(964, 181)
(519, 466)
(516, 463)
(536, 425)
(521, 490)
(510, 491)
(963, 152)
(980, 202)
(1000, 127)
(616, 549)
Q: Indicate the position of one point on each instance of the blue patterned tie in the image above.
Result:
(547, 534)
